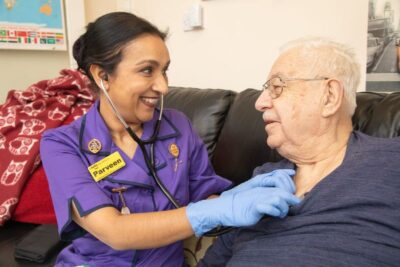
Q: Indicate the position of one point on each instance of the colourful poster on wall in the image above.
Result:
(32, 24)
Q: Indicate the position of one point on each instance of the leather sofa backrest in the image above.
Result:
(378, 114)
(206, 109)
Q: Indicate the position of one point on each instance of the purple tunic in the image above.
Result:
(66, 159)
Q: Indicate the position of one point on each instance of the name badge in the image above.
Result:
(106, 166)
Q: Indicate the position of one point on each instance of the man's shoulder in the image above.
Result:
(368, 144)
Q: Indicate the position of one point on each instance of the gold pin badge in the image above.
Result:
(174, 150)
(94, 146)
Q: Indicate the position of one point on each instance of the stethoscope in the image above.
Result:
(149, 160)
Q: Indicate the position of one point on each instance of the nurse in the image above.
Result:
(105, 199)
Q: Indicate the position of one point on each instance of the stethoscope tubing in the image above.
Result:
(150, 160)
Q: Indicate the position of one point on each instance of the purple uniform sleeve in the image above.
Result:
(69, 180)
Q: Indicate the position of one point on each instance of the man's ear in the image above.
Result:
(333, 98)
(99, 75)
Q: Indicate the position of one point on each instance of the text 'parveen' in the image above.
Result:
(106, 166)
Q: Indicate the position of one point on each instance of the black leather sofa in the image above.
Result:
(234, 134)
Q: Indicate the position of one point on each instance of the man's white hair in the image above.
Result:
(330, 59)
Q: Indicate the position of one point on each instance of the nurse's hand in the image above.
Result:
(279, 178)
(240, 209)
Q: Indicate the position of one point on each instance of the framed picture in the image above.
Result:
(32, 24)
(383, 52)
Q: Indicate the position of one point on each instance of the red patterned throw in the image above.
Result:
(24, 117)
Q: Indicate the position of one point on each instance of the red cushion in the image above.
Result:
(35, 204)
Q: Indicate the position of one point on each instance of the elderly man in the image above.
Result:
(349, 182)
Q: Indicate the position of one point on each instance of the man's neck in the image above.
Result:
(326, 154)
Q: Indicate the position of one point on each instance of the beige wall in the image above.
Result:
(20, 68)
(234, 50)
(97, 8)
(240, 38)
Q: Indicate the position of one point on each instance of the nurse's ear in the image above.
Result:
(99, 75)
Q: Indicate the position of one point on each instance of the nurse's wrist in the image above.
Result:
(200, 218)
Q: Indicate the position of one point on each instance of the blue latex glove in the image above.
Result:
(239, 209)
(278, 178)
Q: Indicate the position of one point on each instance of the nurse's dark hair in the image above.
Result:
(105, 38)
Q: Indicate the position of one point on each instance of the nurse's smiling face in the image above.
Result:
(139, 79)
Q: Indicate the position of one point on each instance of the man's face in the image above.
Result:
(292, 119)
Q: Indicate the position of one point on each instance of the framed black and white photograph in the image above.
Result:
(383, 41)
